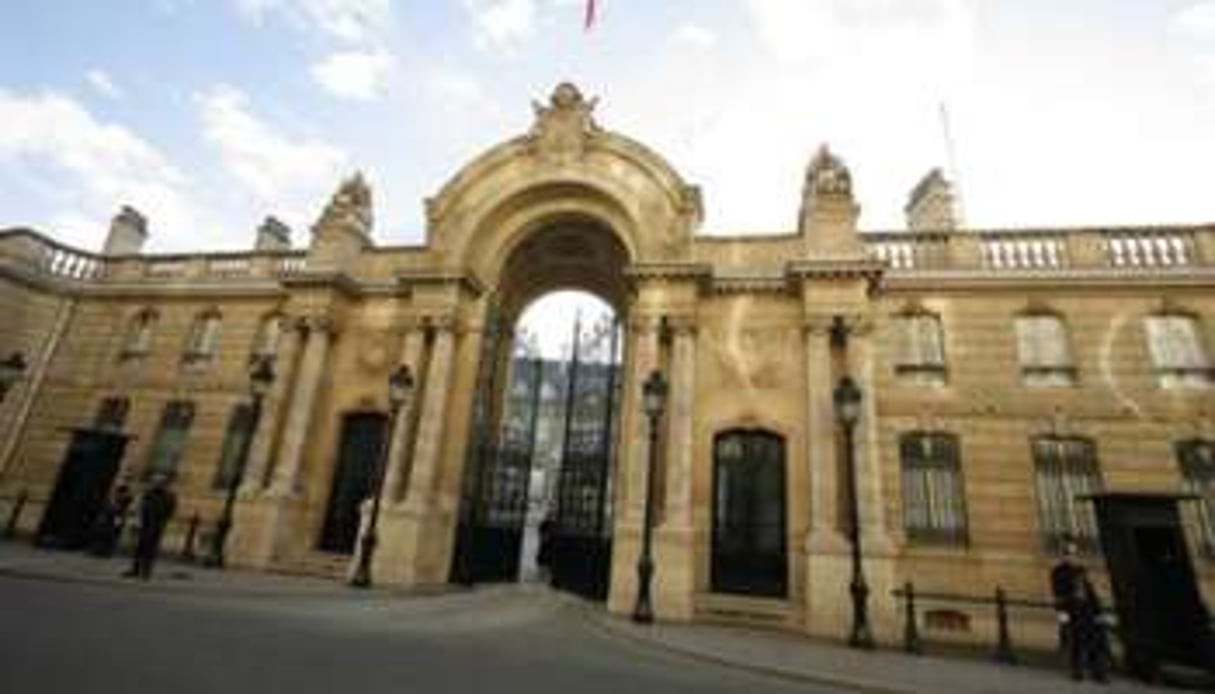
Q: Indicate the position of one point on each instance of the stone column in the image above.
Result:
(299, 410)
(429, 440)
(398, 458)
(681, 406)
(821, 443)
(257, 474)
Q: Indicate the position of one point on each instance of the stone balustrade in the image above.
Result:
(1146, 248)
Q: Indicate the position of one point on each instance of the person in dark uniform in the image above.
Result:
(155, 508)
(110, 522)
(1080, 617)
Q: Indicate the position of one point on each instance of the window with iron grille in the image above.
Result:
(112, 413)
(170, 439)
(1043, 351)
(1065, 471)
(921, 348)
(934, 501)
(240, 427)
(1196, 458)
(1178, 352)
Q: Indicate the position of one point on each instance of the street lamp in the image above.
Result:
(847, 399)
(654, 395)
(261, 378)
(11, 371)
(400, 388)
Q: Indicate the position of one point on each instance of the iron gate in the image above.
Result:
(576, 397)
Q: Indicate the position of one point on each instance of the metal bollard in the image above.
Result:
(10, 528)
(187, 548)
(1004, 649)
(911, 630)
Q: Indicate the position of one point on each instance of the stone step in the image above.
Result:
(741, 610)
(322, 564)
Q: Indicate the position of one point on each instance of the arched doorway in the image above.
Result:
(507, 516)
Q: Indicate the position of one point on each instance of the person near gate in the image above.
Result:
(107, 529)
(156, 506)
(1079, 611)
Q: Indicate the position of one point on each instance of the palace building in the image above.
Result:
(1005, 375)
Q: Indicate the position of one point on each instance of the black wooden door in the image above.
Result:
(749, 514)
(82, 487)
(353, 479)
(1161, 617)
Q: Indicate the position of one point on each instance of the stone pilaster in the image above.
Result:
(398, 458)
(642, 358)
(674, 551)
(257, 474)
(300, 409)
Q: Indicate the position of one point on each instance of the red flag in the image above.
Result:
(589, 18)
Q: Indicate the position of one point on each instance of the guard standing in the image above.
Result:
(1079, 612)
(155, 508)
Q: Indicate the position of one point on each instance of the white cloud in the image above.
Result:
(502, 25)
(1197, 20)
(695, 36)
(359, 75)
(101, 81)
(93, 167)
(349, 21)
(288, 175)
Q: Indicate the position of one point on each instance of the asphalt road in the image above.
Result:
(97, 639)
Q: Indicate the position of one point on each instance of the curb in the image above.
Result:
(607, 625)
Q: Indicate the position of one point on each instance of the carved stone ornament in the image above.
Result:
(827, 175)
(350, 206)
(561, 128)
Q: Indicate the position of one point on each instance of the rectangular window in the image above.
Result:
(240, 426)
(1065, 471)
(203, 340)
(1197, 461)
(170, 441)
(934, 502)
(112, 413)
(921, 349)
(1178, 353)
(1043, 351)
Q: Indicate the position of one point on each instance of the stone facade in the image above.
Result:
(743, 328)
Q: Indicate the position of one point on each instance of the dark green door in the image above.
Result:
(749, 514)
(353, 479)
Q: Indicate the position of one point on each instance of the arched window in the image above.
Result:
(934, 502)
(920, 345)
(1043, 350)
(1196, 458)
(265, 342)
(1178, 350)
(138, 340)
(749, 554)
(203, 339)
(1065, 470)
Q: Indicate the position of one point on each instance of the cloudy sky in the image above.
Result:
(208, 115)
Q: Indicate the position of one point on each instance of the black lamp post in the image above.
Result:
(847, 399)
(654, 395)
(261, 378)
(11, 371)
(400, 388)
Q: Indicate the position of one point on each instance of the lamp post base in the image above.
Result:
(862, 635)
(215, 557)
(643, 611)
(362, 573)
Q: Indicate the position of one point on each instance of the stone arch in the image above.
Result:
(566, 166)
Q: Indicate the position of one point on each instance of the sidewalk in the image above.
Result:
(880, 671)
(18, 558)
(777, 654)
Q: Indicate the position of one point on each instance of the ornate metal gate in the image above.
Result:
(555, 411)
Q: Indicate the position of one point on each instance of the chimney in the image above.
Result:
(273, 235)
(930, 206)
(128, 232)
